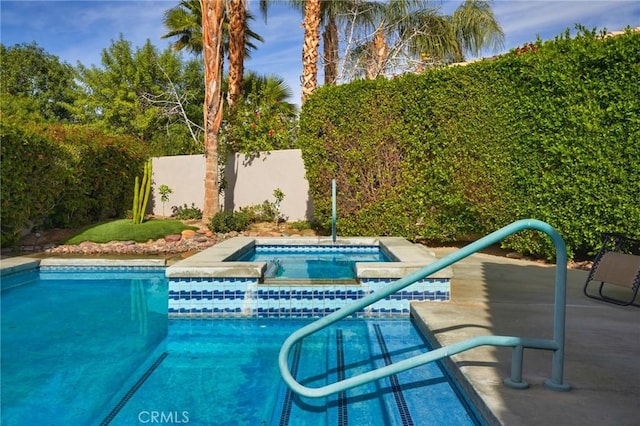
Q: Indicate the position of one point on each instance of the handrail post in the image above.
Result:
(560, 314)
(515, 380)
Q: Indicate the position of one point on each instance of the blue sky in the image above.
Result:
(79, 30)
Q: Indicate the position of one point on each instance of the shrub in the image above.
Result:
(265, 212)
(62, 176)
(184, 213)
(28, 161)
(226, 221)
(549, 132)
(300, 225)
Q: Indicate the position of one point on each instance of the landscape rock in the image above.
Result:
(51, 242)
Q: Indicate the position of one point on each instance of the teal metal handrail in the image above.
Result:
(556, 344)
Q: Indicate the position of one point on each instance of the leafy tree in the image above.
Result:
(35, 84)
(181, 107)
(263, 120)
(145, 94)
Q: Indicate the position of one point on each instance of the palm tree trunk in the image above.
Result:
(212, 20)
(311, 27)
(380, 52)
(330, 47)
(237, 23)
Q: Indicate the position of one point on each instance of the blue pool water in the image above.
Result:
(80, 350)
(313, 262)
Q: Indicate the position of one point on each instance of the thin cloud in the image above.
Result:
(531, 17)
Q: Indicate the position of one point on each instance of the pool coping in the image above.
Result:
(17, 264)
(11, 265)
(211, 262)
(474, 396)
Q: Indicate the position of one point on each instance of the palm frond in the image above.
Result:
(476, 27)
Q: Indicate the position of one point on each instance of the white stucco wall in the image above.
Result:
(184, 174)
(250, 181)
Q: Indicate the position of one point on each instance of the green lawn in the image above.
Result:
(125, 230)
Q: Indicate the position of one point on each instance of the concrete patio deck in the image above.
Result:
(500, 296)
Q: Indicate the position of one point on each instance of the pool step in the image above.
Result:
(346, 354)
(309, 366)
(187, 385)
(350, 355)
(16, 280)
(396, 406)
(424, 383)
(395, 400)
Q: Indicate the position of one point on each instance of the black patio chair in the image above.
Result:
(618, 264)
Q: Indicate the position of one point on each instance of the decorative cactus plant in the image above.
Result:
(141, 193)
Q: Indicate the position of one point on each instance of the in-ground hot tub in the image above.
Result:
(313, 262)
(217, 282)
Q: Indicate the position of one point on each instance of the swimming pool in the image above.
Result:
(76, 350)
(320, 262)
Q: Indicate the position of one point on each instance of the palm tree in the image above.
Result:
(273, 90)
(332, 14)
(237, 24)
(212, 23)
(476, 27)
(184, 23)
(352, 14)
(238, 16)
(330, 47)
(311, 25)
(204, 33)
(416, 36)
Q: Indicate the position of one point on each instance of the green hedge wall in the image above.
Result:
(550, 131)
(61, 176)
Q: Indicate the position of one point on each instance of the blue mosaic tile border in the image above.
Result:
(72, 273)
(245, 297)
(69, 268)
(316, 248)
